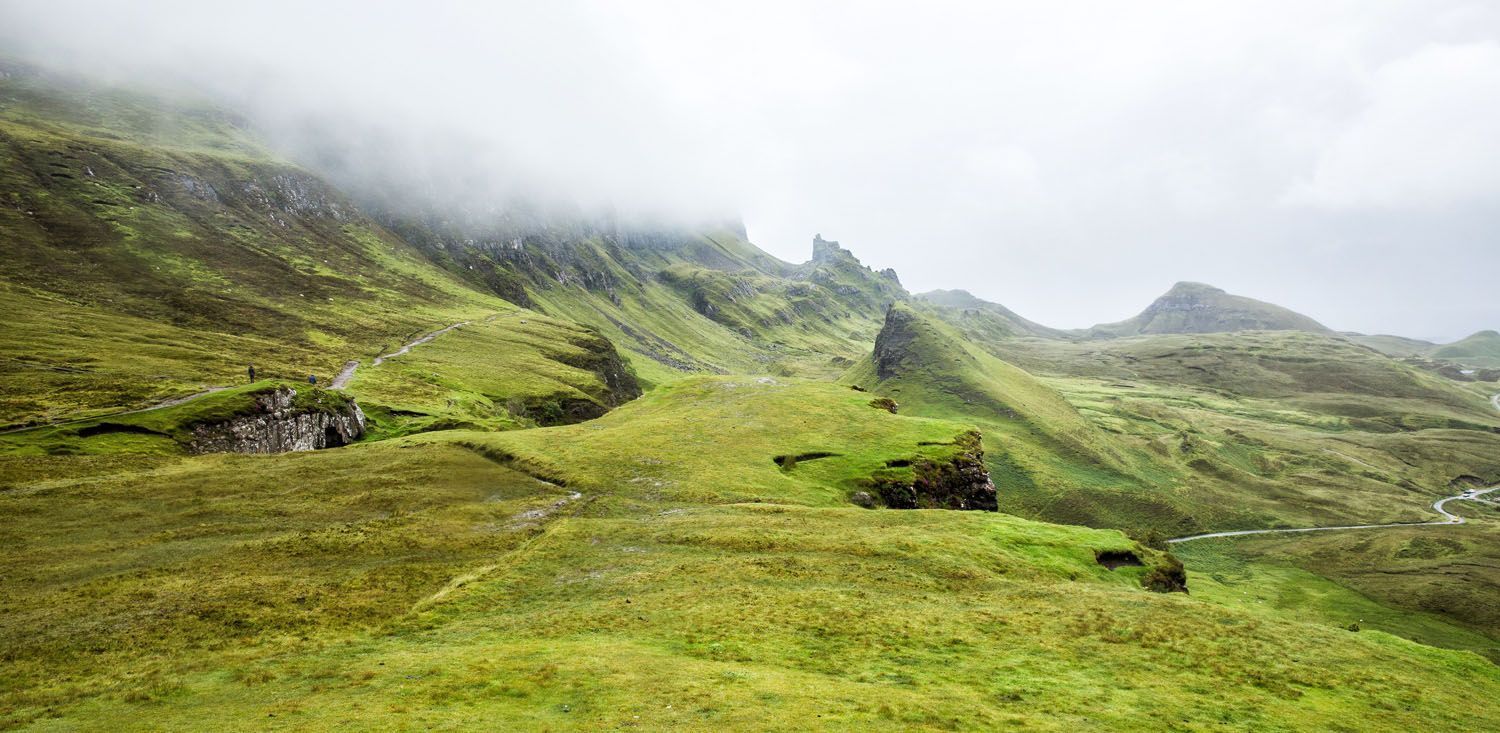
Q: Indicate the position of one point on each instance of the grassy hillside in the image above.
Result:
(1259, 430)
(516, 368)
(646, 582)
(983, 319)
(1309, 371)
(1433, 586)
(178, 251)
(674, 299)
(524, 538)
(736, 314)
(1480, 350)
(693, 319)
(931, 370)
(1198, 308)
(1145, 434)
(1398, 346)
(1427, 604)
(152, 248)
(1048, 460)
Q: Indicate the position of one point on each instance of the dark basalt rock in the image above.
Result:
(894, 341)
(1167, 576)
(279, 422)
(960, 482)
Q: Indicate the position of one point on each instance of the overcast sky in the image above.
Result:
(1070, 160)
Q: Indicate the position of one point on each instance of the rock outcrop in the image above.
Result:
(959, 482)
(894, 341)
(280, 421)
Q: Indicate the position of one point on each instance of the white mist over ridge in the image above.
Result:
(1070, 161)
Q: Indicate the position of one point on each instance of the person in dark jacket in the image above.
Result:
(252, 372)
(312, 379)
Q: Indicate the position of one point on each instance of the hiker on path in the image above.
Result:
(252, 372)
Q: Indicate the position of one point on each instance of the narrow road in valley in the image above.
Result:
(1448, 518)
(339, 382)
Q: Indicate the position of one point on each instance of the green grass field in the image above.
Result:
(454, 578)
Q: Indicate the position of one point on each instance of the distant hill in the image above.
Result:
(974, 315)
(1398, 346)
(1481, 349)
(1197, 308)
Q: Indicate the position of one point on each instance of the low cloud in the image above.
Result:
(1070, 160)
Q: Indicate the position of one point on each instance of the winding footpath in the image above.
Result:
(347, 373)
(339, 382)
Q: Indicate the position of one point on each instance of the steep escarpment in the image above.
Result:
(1197, 308)
(165, 210)
(694, 299)
(282, 420)
(152, 246)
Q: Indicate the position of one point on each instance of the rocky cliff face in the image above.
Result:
(894, 341)
(279, 422)
(959, 482)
